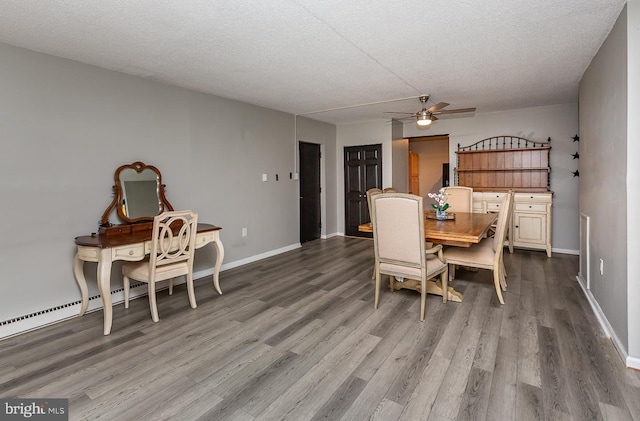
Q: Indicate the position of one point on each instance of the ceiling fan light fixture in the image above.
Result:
(423, 118)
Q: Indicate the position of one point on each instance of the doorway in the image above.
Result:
(362, 171)
(310, 190)
(431, 163)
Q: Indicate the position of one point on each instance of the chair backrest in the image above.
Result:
(501, 224)
(398, 227)
(174, 239)
(390, 190)
(459, 198)
(371, 192)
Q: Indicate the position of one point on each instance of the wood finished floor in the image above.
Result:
(296, 337)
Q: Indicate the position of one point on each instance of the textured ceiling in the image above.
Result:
(306, 56)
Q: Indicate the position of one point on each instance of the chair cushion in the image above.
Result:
(474, 256)
(434, 266)
(140, 270)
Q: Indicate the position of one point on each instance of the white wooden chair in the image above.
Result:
(459, 198)
(372, 192)
(172, 253)
(485, 256)
(398, 233)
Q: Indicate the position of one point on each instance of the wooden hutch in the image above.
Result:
(498, 164)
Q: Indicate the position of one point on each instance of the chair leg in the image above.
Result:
(171, 286)
(376, 298)
(423, 298)
(444, 280)
(496, 282)
(192, 294)
(127, 285)
(503, 277)
(152, 301)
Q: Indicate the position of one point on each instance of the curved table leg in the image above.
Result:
(78, 272)
(104, 285)
(216, 270)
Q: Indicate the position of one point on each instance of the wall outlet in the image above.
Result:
(264, 177)
(601, 267)
(244, 232)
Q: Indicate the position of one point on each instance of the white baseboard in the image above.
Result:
(67, 311)
(566, 251)
(327, 236)
(631, 362)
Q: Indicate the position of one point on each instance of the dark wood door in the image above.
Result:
(310, 222)
(362, 171)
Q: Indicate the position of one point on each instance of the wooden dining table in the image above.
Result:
(465, 229)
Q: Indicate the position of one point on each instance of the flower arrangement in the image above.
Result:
(440, 198)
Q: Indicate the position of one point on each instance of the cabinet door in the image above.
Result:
(530, 228)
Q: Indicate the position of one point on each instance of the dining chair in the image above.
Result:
(398, 234)
(490, 241)
(459, 198)
(171, 255)
(487, 256)
(389, 190)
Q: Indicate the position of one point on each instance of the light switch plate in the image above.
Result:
(264, 177)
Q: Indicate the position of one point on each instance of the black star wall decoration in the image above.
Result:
(576, 138)
(576, 173)
(576, 155)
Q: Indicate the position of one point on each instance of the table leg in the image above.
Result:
(433, 287)
(216, 270)
(78, 272)
(104, 285)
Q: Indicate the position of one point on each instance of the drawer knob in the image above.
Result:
(130, 252)
(529, 206)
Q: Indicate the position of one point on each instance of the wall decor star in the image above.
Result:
(576, 173)
(576, 138)
(576, 155)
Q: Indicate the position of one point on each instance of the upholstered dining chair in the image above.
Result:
(398, 233)
(389, 190)
(487, 256)
(459, 198)
(172, 253)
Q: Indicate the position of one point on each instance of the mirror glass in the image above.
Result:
(140, 193)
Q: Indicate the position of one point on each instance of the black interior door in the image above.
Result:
(310, 221)
(362, 171)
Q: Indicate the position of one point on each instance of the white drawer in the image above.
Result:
(88, 254)
(532, 197)
(129, 252)
(477, 207)
(530, 207)
(493, 196)
(204, 238)
(493, 206)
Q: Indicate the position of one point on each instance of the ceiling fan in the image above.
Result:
(426, 116)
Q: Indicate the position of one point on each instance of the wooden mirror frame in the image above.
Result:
(138, 166)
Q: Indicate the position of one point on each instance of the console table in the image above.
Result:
(133, 246)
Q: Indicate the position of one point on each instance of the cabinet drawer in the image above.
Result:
(532, 197)
(493, 196)
(530, 207)
(493, 206)
(130, 252)
(477, 207)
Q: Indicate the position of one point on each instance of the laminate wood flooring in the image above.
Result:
(295, 337)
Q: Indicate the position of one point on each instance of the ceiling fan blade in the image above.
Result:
(438, 106)
(458, 111)
(397, 112)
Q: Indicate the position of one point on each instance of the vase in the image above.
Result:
(441, 215)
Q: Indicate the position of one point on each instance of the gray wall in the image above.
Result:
(66, 127)
(633, 178)
(603, 171)
(610, 189)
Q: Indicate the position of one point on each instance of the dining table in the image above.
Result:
(460, 229)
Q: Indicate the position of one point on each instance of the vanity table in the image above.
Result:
(138, 197)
